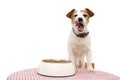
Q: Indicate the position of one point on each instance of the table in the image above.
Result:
(31, 74)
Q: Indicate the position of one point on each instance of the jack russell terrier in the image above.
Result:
(79, 40)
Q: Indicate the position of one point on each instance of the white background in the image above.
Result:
(32, 30)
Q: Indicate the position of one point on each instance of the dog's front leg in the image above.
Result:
(89, 61)
(72, 57)
(82, 62)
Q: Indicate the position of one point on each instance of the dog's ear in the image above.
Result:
(69, 14)
(89, 12)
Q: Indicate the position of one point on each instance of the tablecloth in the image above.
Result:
(31, 74)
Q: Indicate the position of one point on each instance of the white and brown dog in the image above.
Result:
(79, 40)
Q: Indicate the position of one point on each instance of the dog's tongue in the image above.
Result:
(80, 26)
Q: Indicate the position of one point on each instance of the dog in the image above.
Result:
(79, 40)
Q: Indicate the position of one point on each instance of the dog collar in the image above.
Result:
(81, 35)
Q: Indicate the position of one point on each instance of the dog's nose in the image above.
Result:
(80, 19)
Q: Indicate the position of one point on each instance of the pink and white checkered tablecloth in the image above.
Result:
(31, 74)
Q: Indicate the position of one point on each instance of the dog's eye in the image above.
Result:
(75, 15)
(85, 15)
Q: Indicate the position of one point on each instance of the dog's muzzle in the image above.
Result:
(80, 26)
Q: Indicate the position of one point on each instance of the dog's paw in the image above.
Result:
(90, 69)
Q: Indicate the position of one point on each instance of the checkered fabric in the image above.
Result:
(31, 74)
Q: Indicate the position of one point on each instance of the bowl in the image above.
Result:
(57, 68)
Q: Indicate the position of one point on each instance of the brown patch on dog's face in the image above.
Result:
(88, 11)
(70, 14)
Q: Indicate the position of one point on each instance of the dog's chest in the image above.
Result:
(80, 41)
(78, 45)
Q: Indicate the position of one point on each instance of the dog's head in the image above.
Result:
(80, 19)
